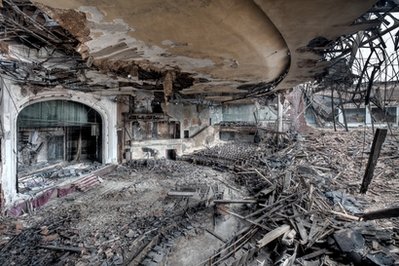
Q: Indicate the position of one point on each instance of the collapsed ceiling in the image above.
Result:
(202, 50)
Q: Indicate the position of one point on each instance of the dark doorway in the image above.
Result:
(171, 154)
(177, 131)
(186, 134)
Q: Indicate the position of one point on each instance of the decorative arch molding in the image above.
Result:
(13, 105)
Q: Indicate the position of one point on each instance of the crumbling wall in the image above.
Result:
(198, 121)
(155, 149)
(154, 139)
(142, 102)
(151, 149)
(192, 117)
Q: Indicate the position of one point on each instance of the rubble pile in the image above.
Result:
(137, 215)
(299, 205)
(306, 195)
(32, 180)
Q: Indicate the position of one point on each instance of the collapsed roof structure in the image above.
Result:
(89, 85)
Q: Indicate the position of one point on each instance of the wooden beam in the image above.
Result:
(264, 177)
(345, 216)
(272, 235)
(245, 219)
(181, 194)
(343, 110)
(333, 108)
(216, 235)
(379, 138)
(238, 201)
(63, 248)
(381, 214)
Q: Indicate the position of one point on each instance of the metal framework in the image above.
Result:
(364, 66)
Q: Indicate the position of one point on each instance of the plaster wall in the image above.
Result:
(239, 113)
(193, 118)
(206, 138)
(199, 121)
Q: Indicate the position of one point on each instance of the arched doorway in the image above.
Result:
(54, 131)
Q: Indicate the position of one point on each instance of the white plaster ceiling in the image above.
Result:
(222, 44)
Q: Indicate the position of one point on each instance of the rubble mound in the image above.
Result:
(297, 205)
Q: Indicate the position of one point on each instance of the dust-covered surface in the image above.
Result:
(307, 190)
(131, 203)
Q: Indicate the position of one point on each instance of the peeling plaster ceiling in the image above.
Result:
(220, 49)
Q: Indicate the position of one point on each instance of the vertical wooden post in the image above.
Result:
(371, 117)
(333, 108)
(343, 110)
(280, 114)
(379, 138)
(279, 118)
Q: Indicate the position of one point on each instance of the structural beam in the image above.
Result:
(379, 138)
(381, 214)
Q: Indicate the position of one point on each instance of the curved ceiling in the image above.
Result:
(224, 45)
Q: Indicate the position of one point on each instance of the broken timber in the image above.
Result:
(379, 138)
(243, 201)
(63, 248)
(272, 235)
(381, 214)
(180, 194)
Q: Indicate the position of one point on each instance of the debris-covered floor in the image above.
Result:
(236, 204)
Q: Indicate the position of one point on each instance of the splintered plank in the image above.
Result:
(245, 219)
(345, 216)
(272, 235)
(266, 191)
(180, 194)
(379, 139)
(264, 177)
(301, 228)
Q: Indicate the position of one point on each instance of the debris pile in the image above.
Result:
(45, 175)
(300, 196)
(138, 214)
(299, 205)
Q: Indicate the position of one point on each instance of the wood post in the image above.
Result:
(280, 113)
(343, 110)
(379, 138)
(333, 108)
(279, 118)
